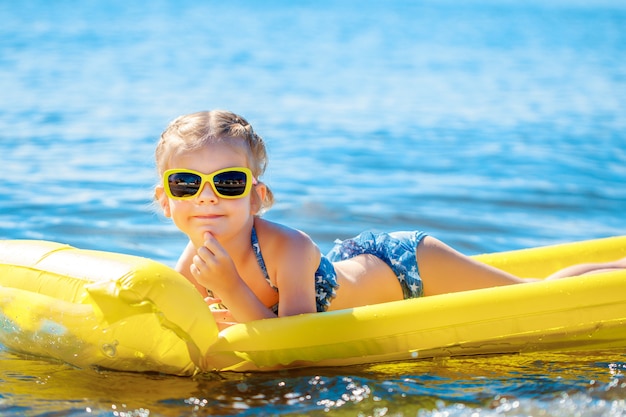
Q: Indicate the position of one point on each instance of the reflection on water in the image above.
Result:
(587, 384)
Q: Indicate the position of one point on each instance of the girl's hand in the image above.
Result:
(223, 317)
(212, 301)
(213, 267)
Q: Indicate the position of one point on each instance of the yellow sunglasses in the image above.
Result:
(231, 183)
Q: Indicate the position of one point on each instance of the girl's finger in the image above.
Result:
(213, 300)
(213, 245)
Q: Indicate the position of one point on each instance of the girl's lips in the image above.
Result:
(207, 216)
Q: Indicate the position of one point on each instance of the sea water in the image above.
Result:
(492, 125)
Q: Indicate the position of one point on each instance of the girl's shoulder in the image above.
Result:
(276, 236)
(289, 255)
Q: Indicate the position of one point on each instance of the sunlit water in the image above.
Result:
(491, 125)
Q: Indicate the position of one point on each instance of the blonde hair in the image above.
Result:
(193, 131)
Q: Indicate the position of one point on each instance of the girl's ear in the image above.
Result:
(164, 202)
(259, 193)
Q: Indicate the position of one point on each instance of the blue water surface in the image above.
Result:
(492, 125)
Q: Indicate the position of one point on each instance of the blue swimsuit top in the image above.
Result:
(325, 278)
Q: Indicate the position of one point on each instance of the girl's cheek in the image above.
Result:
(174, 208)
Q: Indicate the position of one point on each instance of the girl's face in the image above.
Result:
(207, 212)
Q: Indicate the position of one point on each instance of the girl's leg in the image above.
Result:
(589, 268)
(445, 270)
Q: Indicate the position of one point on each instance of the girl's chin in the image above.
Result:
(199, 236)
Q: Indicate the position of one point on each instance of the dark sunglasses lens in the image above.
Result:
(230, 183)
(184, 184)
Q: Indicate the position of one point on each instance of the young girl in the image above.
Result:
(211, 164)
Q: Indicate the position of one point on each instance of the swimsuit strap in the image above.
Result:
(259, 257)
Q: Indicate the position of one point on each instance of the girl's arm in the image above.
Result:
(295, 261)
(291, 259)
(183, 267)
(212, 267)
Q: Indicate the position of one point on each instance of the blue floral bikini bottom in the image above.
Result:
(396, 249)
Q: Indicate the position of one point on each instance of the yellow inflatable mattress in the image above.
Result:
(122, 312)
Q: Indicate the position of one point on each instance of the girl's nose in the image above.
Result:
(207, 195)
